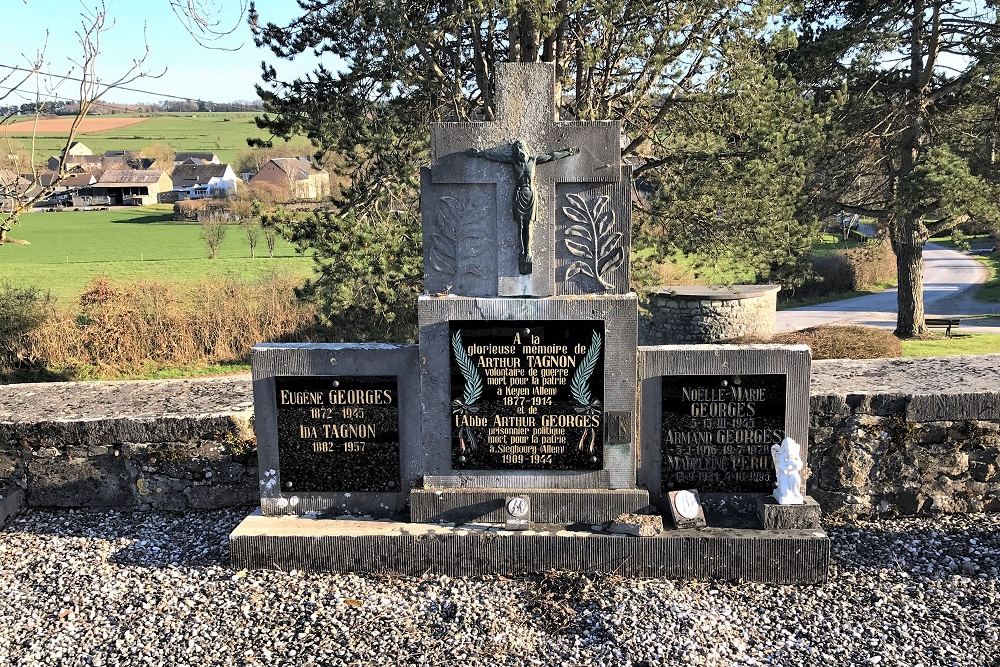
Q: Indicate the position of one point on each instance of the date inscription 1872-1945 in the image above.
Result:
(338, 434)
(717, 431)
(527, 394)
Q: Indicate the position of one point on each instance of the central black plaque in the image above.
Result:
(717, 431)
(527, 394)
(338, 434)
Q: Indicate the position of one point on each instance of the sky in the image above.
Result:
(192, 71)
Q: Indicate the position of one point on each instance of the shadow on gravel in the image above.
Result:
(145, 539)
(933, 552)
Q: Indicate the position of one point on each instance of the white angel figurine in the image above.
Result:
(788, 467)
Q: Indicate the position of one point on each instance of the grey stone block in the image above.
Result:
(387, 547)
(589, 506)
(784, 517)
(526, 112)
(619, 313)
(11, 502)
(95, 481)
(637, 525)
(335, 359)
(656, 362)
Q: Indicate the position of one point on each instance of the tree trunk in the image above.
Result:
(910, 295)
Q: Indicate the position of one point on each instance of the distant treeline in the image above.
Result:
(64, 108)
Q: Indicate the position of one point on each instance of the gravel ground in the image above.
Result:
(106, 588)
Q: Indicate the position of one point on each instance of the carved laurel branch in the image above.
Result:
(457, 220)
(592, 238)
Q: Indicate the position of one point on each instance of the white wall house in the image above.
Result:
(199, 181)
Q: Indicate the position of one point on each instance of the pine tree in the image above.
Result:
(911, 75)
(719, 135)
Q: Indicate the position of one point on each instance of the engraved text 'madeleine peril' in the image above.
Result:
(338, 434)
(527, 395)
(717, 431)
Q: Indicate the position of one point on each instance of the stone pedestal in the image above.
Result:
(391, 547)
(550, 506)
(785, 517)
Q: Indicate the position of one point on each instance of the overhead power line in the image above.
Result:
(59, 98)
(185, 98)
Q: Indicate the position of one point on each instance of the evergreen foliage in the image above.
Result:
(914, 147)
(720, 136)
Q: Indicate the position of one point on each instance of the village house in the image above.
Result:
(126, 187)
(294, 178)
(196, 157)
(79, 149)
(89, 163)
(198, 181)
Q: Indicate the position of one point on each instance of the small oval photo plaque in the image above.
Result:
(686, 504)
(686, 509)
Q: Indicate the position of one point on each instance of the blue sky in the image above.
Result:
(192, 70)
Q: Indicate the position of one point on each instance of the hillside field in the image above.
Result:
(224, 133)
(69, 248)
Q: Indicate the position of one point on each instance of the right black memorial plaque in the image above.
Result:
(717, 431)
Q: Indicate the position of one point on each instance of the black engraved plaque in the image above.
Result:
(338, 434)
(717, 431)
(527, 394)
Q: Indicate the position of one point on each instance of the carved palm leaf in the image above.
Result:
(592, 238)
(580, 384)
(444, 238)
(470, 374)
(460, 220)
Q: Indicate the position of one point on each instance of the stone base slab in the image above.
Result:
(559, 506)
(780, 517)
(390, 547)
(11, 502)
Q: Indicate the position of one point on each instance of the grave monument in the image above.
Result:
(528, 430)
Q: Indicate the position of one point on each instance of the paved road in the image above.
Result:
(948, 278)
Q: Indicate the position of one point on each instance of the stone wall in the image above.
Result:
(906, 436)
(887, 436)
(694, 314)
(173, 444)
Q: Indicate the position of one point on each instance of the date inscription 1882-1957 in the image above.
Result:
(527, 395)
(717, 431)
(338, 434)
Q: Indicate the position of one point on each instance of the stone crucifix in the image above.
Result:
(523, 203)
(524, 134)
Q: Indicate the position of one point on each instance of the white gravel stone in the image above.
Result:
(111, 589)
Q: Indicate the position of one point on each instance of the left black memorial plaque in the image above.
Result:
(338, 433)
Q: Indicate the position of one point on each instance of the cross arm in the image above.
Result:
(557, 155)
(492, 154)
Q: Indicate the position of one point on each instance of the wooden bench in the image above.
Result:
(942, 322)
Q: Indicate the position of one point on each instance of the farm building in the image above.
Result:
(198, 181)
(196, 157)
(90, 163)
(293, 178)
(127, 187)
(78, 148)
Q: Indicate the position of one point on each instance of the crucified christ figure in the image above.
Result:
(524, 182)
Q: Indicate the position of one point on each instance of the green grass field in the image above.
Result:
(224, 133)
(69, 248)
(957, 344)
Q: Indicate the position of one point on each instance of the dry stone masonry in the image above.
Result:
(877, 433)
(693, 314)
